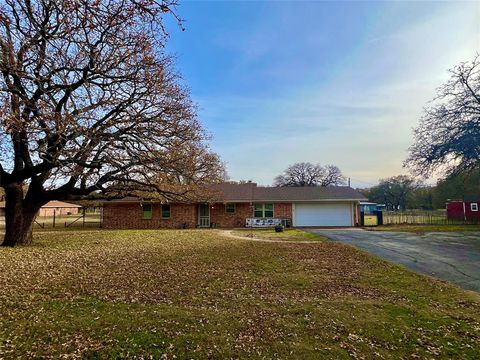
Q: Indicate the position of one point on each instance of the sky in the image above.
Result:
(343, 83)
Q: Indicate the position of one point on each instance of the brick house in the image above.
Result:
(235, 204)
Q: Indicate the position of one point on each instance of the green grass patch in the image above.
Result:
(287, 234)
(198, 294)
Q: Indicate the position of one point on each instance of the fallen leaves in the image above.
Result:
(196, 294)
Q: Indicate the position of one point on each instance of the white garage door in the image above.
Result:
(323, 215)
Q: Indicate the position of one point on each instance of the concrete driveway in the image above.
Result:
(450, 256)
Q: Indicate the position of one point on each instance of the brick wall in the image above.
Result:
(356, 214)
(230, 220)
(130, 216)
(283, 211)
(244, 211)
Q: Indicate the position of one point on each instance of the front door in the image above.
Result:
(203, 215)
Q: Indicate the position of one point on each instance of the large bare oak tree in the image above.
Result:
(90, 105)
(448, 136)
(308, 174)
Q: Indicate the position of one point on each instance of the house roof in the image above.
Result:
(51, 204)
(251, 192)
(60, 204)
(467, 199)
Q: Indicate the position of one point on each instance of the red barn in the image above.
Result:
(464, 210)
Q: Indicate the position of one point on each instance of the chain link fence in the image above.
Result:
(86, 217)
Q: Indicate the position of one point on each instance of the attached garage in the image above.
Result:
(323, 214)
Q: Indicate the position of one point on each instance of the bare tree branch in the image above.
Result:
(448, 136)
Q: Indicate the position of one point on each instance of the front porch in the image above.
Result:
(238, 215)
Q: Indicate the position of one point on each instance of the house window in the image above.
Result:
(147, 211)
(230, 208)
(165, 211)
(263, 211)
(474, 206)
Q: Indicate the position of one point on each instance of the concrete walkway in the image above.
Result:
(450, 256)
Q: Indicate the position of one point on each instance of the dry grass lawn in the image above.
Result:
(196, 294)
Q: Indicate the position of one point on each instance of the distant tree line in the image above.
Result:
(404, 192)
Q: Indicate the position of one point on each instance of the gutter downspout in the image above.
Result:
(464, 213)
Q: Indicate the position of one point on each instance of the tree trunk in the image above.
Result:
(19, 216)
